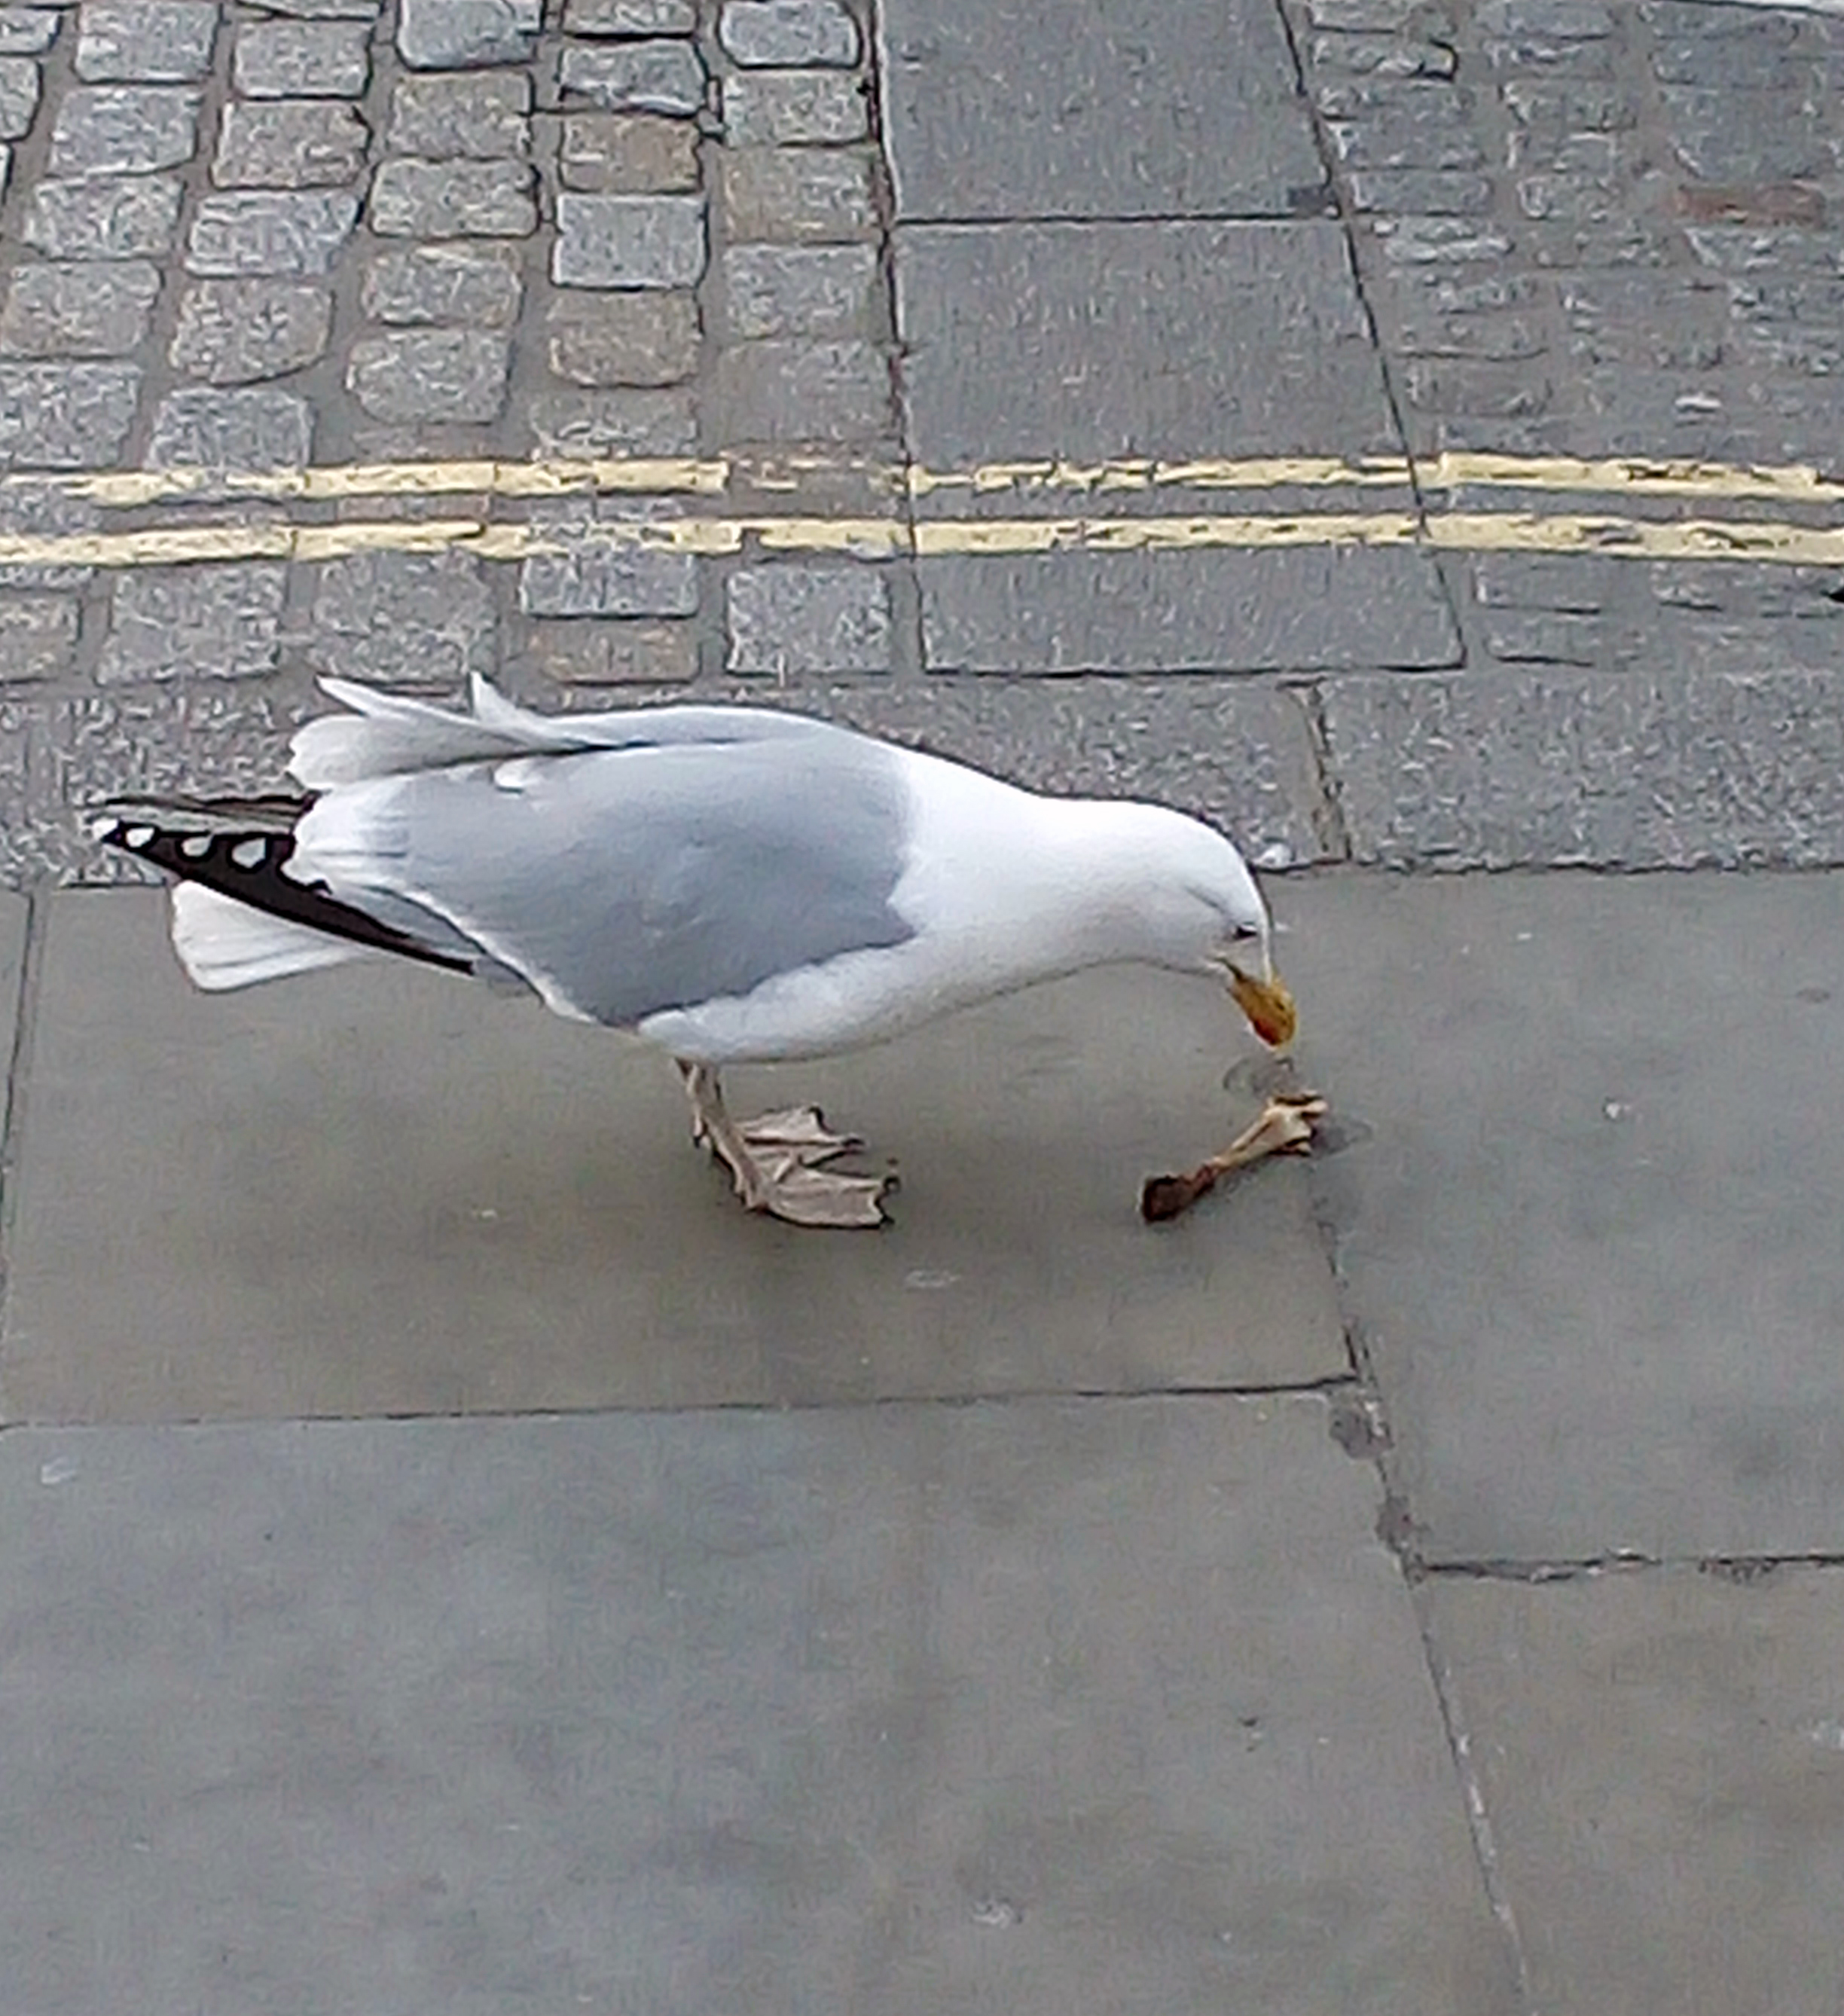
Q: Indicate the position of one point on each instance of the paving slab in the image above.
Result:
(1281, 609)
(1616, 769)
(378, 1191)
(1086, 341)
(1029, 1706)
(1154, 108)
(1589, 1237)
(14, 916)
(1663, 1758)
(1173, 341)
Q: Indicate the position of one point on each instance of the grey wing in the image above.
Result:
(622, 881)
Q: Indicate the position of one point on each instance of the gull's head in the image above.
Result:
(1202, 913)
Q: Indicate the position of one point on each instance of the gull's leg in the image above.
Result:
(800, 1131)
(775, 1161)
(693, 1078)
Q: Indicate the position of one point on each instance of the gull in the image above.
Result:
(731, 885)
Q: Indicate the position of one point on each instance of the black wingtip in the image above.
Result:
(247, 865)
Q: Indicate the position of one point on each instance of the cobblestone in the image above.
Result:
(44, 510)
(271, 234)
(1421, 241)
(145, 42)
(1546, 21)
(1749, 64)
(27, 31)
(588, 653)
(123, 129)
(783, 389)
(289, 144)
(101, 217)
(634, 155)
(1387, 17)
(37, 638)
(480, 116)
(94, 308)
(1382, 56)
(628, 241)
(321, 10)
(19, 96)
(1531, 637)
(1578, 585)
(637, 18)
(476, 286)
(302, 59)
(795, 108)
(791, 620)
(800, 290)
(1430, 191)
(593, 573)
(613, 423)
(466, 35)
(236, 332)
(1546, 107)
(783, 33)
(462, 198)
(220, 622)
(625, 339)
(404, 620)
(1407, 126)
(1577, 58)
(1739, 136)
(431, 374)
(195, 428)
(65, 415)
(636, 77)
(798, 196)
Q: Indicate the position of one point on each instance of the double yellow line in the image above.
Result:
(671, 500)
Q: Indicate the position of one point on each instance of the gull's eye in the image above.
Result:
(1245, 933)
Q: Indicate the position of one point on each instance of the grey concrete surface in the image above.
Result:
(1289, 608)
(1663, 1757)
(1016, 1708)
(15, 918)
(1154, 108)
(1165, 339)
(378, 1191)
(1589, 1239)
(1549, 767)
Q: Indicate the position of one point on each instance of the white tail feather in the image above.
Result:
(224, 943)
(386, 734)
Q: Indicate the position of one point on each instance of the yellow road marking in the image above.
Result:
(884, 539)
(717, 476)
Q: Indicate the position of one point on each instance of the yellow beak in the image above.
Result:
(1269, 1007)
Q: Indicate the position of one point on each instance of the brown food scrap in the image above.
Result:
(1283, 1127)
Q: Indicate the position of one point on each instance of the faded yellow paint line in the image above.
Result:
(1791, 483)
(717, 476)
(646, 476)
(883, 538)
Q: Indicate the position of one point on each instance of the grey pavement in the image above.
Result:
(451, 1558)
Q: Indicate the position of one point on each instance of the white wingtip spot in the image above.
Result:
(249, 853)
(196, 846)
(104, 828)
(137, 836)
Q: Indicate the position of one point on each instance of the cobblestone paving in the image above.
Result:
(280, 235)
